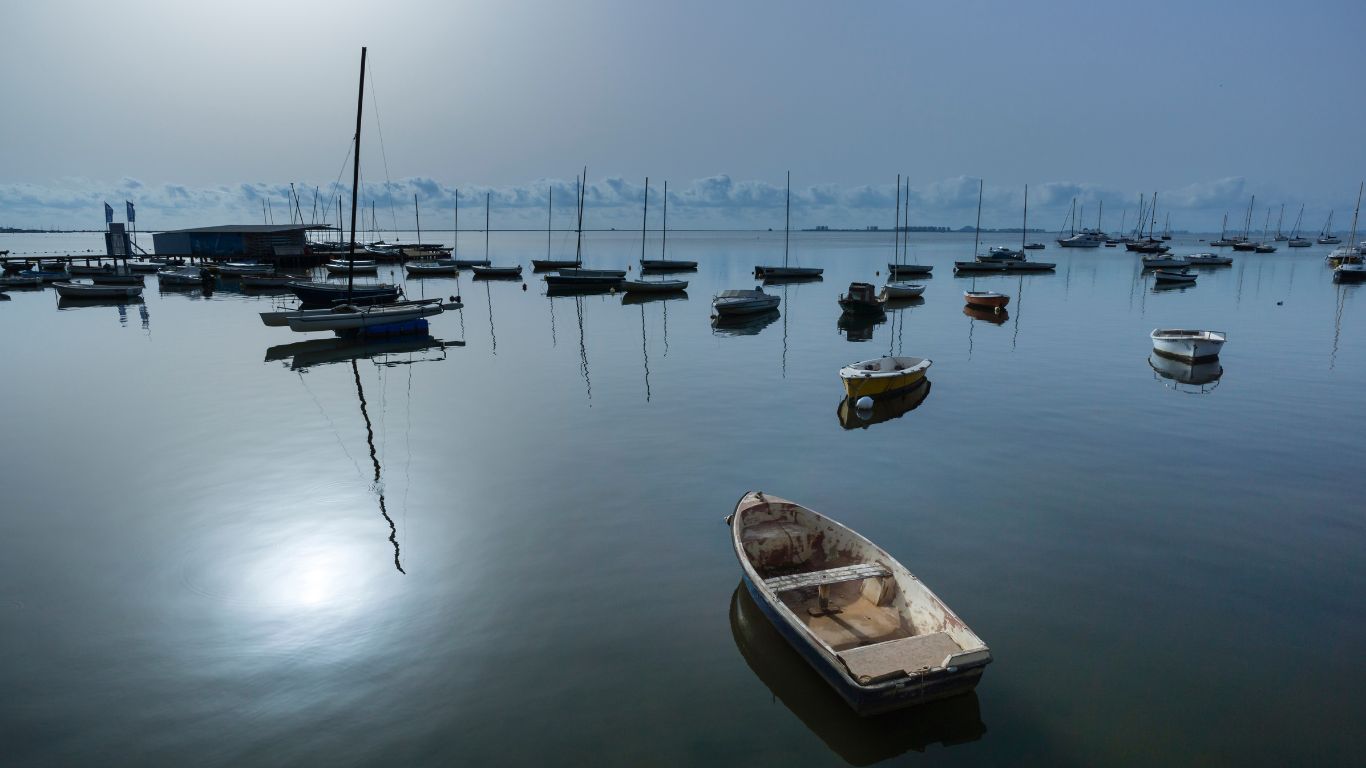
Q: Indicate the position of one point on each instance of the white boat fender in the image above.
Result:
(864, 403)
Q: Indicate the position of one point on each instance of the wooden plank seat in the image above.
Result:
(827, 577)
(905, 656)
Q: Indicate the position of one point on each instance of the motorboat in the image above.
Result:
(1208, 260)
(1174, 276)
(902, 290)
(15, 281)
(92, 291)
(1086, 238)
(861, 297)
(654, 286)
(1002, 253)
(1344, 254)
(183, 276)
(1155, 262)
(1299, 242)
(883, 375)
(1189, 345)
(1037, 246)
(743, 302)
(986, 299)
(17, 266)
(348, 317)
(874, 631)
(1264, 248)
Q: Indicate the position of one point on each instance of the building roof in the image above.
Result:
(235, 229)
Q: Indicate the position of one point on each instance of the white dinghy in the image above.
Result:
(90, 291)
(1188, 345)
(873, 630)
(348, 317)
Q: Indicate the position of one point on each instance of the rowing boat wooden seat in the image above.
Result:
(827, 577)
(907, 655)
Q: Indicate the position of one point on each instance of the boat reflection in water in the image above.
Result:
(892, 305)
(858, 326)
(792, 279)
(857, 740)
(743, 325)
(1190, 378)
(884, 408)
(997, 317)
(646, 298)
(384, 350)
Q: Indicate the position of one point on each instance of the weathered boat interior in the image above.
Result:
(874, 616)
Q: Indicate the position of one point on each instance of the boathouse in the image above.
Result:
(278, 243)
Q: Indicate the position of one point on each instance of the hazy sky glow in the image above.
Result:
(196, 111)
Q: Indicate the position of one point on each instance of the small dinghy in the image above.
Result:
(45, 275)
(654, 286)
(735, 303)
(144, 266)
(90, 291)
(900, 290)
(239, 268)
(504, 272)
(281, 318)
(870, 627)
(1191, 346)
(434, 267)
(986, 299)
(342, 268)
(882, 375)
(1174, 277)
(183, 276)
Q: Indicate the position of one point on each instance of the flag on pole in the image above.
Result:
(132, 215)
(108, 214)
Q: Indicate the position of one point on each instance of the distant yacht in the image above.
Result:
(1084, 238)
(1326, 237)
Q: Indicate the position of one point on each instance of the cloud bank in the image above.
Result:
(711, 202)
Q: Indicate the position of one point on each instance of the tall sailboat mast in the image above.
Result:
(896, 228)
(487, 196)
(417, 216)
(355, 184)
(549, 214)
(664, 238)
(644, 217)
(1024, 228)
(787, 223)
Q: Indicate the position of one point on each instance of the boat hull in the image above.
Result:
(870, 698)
(654, 286)
(781, 272)
(324, 293)
(541, 265)
(77, 291)
(505, 272)
(987, 300)
(748, 307)
(1193, 347)
(893, 291)
(863, 383)
(667, 265)
(897, 270)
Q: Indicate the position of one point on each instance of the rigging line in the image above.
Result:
(346, 160)
(379, 489)
(408, 446)
(335, 432)
(379, 129)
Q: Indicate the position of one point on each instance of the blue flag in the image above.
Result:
(108, 214)
(132, 215)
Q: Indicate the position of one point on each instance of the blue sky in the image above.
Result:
(196, 113)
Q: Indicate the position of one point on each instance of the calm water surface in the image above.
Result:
(199, 566)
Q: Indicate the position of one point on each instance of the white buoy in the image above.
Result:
(863, 403)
